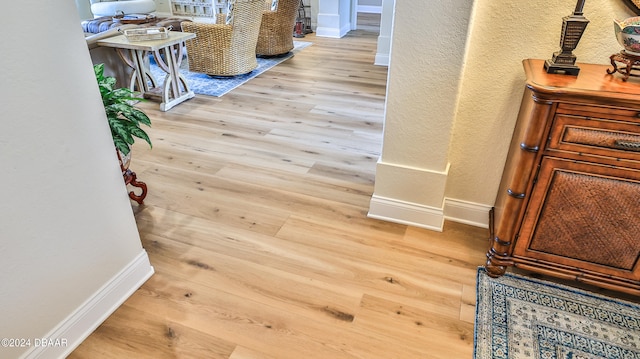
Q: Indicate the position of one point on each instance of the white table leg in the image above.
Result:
(175, 88)
(140, 77)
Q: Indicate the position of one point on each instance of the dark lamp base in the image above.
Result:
(562, 69)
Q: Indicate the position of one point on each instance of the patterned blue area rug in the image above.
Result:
(217, 86)
(519, 317)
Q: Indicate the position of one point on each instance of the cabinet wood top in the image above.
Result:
(592, 82)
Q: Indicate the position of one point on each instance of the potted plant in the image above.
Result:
(124, 118)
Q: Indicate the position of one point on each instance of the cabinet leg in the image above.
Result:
(496, 265)
(493, 270)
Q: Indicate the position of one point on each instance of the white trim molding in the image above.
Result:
(412, 214)
(381, 59)
(474, 214)
(372, 9)
(86, 318)
(337, 33)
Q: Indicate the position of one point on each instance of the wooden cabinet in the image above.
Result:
(569, 199)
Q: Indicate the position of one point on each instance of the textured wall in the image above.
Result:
(425, 67)
(504, 33)
(454, 89)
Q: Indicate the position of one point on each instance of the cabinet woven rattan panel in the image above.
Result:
(589, 218)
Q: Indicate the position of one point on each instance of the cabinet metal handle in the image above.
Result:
(628, 145)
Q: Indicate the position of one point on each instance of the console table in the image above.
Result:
(569, 201)
(168, 54)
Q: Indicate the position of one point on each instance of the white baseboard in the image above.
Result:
(332, 31)
(381, 59)
(474, 214)
(370, 9)
(86, 318)
(327, 32)
(412, 214)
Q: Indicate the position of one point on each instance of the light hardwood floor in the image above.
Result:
(256, 224)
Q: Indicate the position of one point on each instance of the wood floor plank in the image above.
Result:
(256, 224)
(257, 325)
(151, 337)
(416, 328)
(246, 353)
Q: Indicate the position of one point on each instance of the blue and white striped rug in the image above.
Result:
(217, 86)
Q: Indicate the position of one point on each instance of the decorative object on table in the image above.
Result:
(146, 34)
(228, 48)
(217, 86)
(275, 29)
(573, 26)
(133, 18)
(628, 35)
(124, 121)
(522, 317)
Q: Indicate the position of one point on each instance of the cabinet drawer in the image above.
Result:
(596, 137)
(601, 112)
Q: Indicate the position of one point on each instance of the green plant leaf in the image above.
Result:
(136, 116)
(123, 94)
(98, 69)
(121, 146)
(123, 117)
(141, 117)
(138, 132)
(120, 130)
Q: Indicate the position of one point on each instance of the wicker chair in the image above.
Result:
(276, 30)
(226, 48)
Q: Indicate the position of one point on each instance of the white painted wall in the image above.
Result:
(163, 7)
(84, 9)
(437, 117)
(383, 50)
(493, 81)
(334, 18)
(68, 238)
(314, 12)
(372, 6)
(425, 69)
(370, 2)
